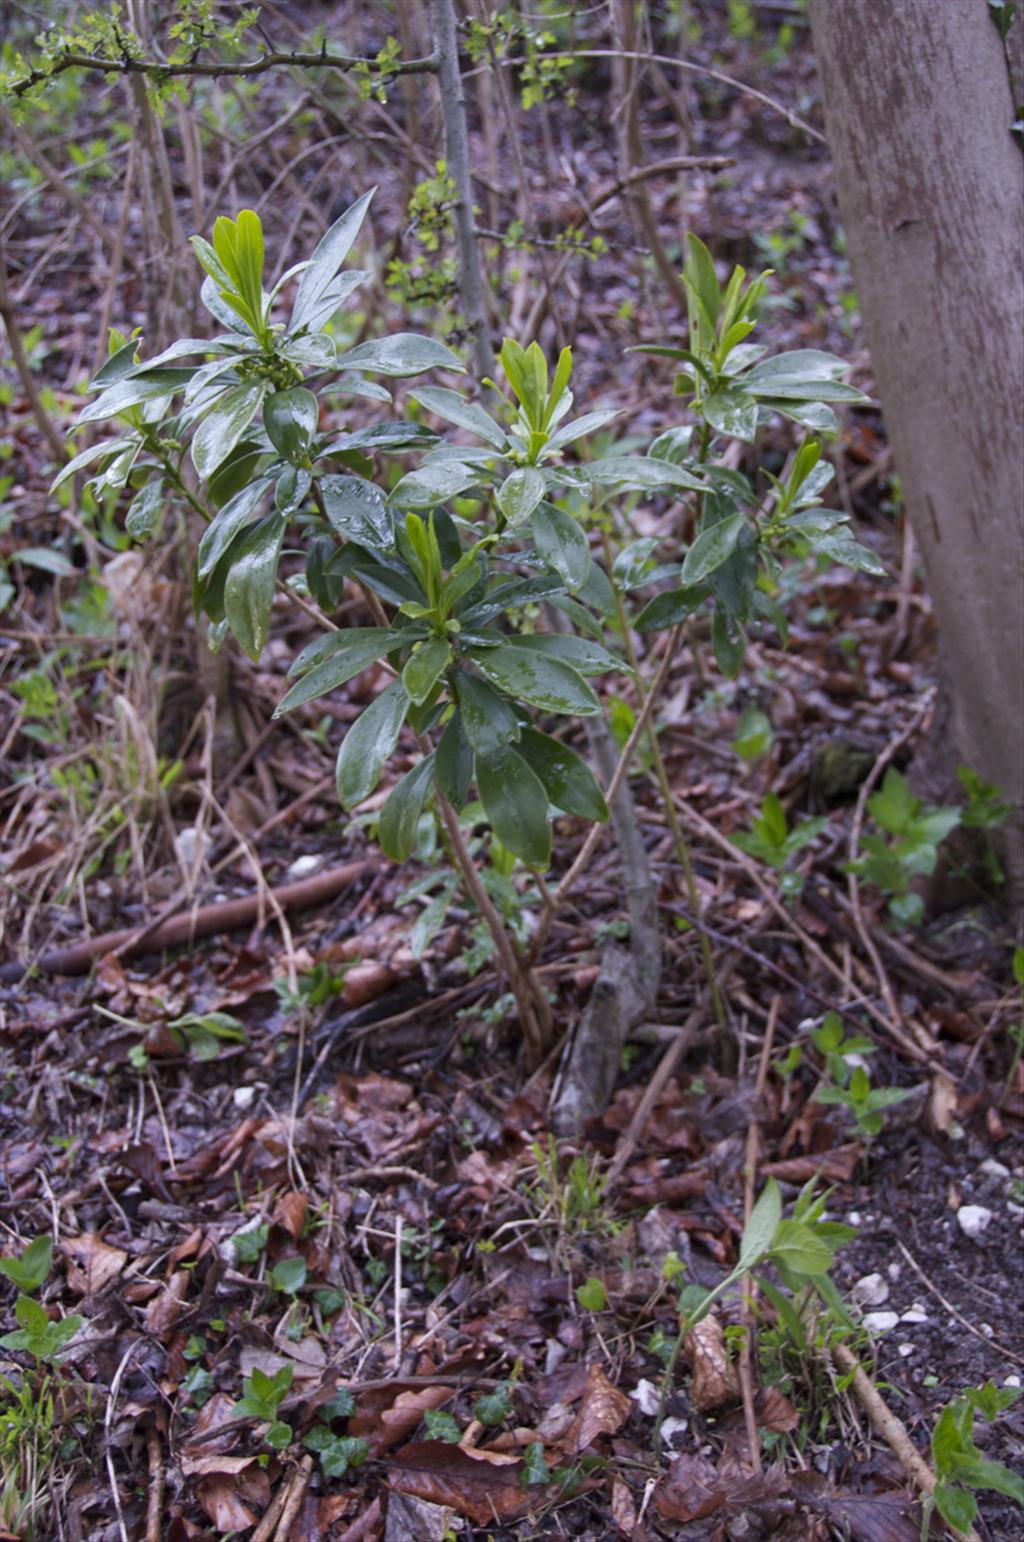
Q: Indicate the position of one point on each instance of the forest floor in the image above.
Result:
(334, 1165)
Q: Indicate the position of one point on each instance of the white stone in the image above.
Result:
(993, 1169)
(871, 1290)
(303, 866)
(189, 843)
(646, 1397)
(916, 1314)
(853, 1219)
(906, 1349)
(1013, 1380)
(973, 1219)
(880, 1322)
(672, 1429)
(894, 1271)
(243, 1097)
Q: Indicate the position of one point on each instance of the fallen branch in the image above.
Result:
(891, 1429)
(224, 916)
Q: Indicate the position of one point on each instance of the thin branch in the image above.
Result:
(160, 70)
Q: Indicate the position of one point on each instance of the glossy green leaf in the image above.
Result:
(249, 586)
(568, 780)
(144, 510)
(516, 804)
(562, 544)
(732, 412)
(399, 818)
(589, 658)
(453, 762)
(403, 353)
(435, 483)
(520, 493)
(578, 428)
(229, 520)
(152, 386)
(488, 717)
(464, 414)
(806, 374)
(728, 642)
(425, 667)
(956, 1506)
(817, 416)
(85, 457)
(224, 425)
(341, 656)
(358, 510)
(328, 257)
(290, 419)
(368, 744)
(642, 472)
(700, 270)
(538, 678)
(711, 548)
(670, 608)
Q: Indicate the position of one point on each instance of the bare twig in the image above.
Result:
(160, 69)
(891, 1429)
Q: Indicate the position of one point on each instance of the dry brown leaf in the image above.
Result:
(290, 1212)
(220, 1499)
(715, 1382)
(623, 1507)
(603, 1411)
(399, 1421)
(689, 1490)
(483, 1486)
(92, 1263)
(165, 1309)
(774, 1411)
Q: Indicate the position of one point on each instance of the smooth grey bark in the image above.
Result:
(456, 149)
(918, 109)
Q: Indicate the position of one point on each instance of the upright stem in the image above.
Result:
(456, 146)
(679, 841)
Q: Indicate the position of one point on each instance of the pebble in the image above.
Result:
(647, 1397)
(243, 1097)
(871, 1290)
(1013, 1380)
(880, 1322)
(906, 1349)
(894, 1271)
(973, 1219)
(189, 842)
(916, 1313)
(993, 1169)
(303, 866)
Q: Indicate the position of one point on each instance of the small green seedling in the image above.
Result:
(288, 1276)
(441, 1425)
(262, 1395)
(592, 1295)
(36, 1334)
(915, 833)
(867, 1104)
(338, 1453)
(494, 1407)
(837, 1050)
(960, 1466)
(773, 842)
(29, 1270)
(249, 1245)
(203, 1033)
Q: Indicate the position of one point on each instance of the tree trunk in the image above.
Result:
(918, 106)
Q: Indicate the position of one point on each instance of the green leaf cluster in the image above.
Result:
(960, 1466)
